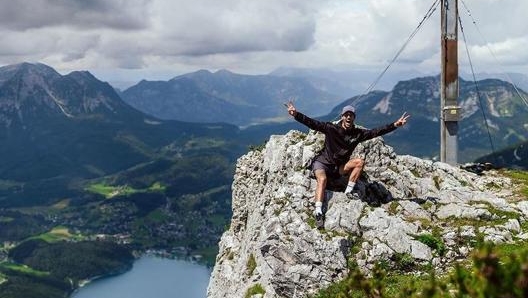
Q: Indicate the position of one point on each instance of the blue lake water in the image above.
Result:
(152, 277)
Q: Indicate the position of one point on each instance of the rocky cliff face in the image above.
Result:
(272, 241)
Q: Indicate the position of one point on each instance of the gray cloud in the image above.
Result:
(204, 27)
(32, 14)
(298, 38)
(250, 36)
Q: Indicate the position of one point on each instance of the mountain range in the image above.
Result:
(494, 115)
(356, 81)
(224, 96)
(57, 131)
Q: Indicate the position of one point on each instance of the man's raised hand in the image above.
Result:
(403, 120)
(291, 108)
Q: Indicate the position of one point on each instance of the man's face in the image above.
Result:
(347, 120)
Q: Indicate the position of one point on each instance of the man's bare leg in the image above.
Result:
(320, 176)
(354, 167)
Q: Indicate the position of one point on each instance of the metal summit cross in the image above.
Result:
(449, 109)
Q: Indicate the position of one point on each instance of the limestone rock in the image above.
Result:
(272, 241)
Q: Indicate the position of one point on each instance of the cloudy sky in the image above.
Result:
(129, 40)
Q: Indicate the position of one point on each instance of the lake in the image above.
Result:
(152, 277)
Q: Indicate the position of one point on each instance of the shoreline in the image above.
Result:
(163, 254)
(85, 282)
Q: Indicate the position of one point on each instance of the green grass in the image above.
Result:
(157, 186)
(251, 264)
(256, 289)
(393, 207)
(437, 181)
(519, 177)
(310, 221)
(491, 269)
(110, 191)
(416, 173)
(395, 283)
(504, 250)
(433, 242)
(58, 233)
(6, 219)
(473, 222)
(23, 269)
(503, 215)
(204, 143)
(382, 284)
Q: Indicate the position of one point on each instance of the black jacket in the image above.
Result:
(339, 143)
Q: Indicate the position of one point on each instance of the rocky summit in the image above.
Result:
(273, 249)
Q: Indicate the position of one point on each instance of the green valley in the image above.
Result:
(87, 186)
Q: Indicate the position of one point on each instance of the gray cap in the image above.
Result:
(348, 109)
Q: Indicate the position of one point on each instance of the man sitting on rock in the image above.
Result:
(340, 140)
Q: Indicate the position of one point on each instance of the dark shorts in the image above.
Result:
(331, 170)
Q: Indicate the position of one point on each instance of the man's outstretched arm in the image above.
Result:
(376, 132)
(300, 117)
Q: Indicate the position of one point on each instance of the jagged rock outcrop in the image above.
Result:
(272, 241)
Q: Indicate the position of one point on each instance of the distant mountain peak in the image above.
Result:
(27, 66)
(223, 72)
(202, 73)
(27, 71)
(32, 91)
(36, 68)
